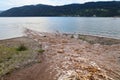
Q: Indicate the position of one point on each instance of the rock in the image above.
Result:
(60, 51)
(64, 41)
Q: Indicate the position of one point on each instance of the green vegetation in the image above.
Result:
(96, 9)
(7, 57)
(72, 36)
(41, 50)
(21, 48)
(17, 53)
(100, 40)
(12, 57)
(84, 38)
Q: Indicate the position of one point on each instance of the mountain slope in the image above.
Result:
(1, 11)
(105, 9)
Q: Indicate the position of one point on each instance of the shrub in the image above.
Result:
(72, 36)
(41, 50)
(22, 47)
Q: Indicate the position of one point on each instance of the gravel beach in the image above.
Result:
(68, 57)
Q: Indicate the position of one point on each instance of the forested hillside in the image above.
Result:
(99, 9)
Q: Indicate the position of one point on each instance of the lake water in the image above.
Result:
(14, 26)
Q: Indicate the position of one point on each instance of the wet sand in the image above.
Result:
(68, 58)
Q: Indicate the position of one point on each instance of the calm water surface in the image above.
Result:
(14, 26)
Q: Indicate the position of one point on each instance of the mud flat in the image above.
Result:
(67, 57)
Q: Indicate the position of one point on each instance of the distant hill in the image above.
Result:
(1, 11)
(99, 9)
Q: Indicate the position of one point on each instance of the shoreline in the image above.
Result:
(11, 38)
(83, 37)
(68, 56)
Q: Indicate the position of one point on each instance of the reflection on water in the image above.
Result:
(13, 27)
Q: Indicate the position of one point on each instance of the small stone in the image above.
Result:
(64, 41)
(60, 51)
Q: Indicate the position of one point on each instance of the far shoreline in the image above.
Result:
(57, 16)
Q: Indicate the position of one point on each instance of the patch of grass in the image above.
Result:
(72, 36)
(10, 57)
(15, 53)
(7, 59)
(82, 38)
(6, 53)
(39, 61)
(22, 47)
(100, 40)
(41, 50)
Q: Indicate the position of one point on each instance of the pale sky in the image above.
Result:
(6, 4)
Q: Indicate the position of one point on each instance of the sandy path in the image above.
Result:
(71, 59)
